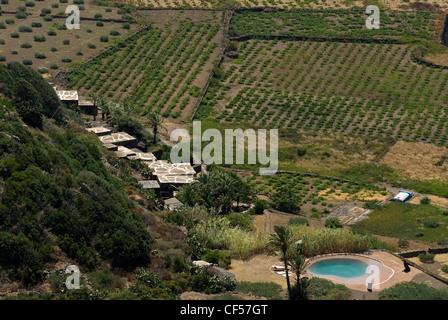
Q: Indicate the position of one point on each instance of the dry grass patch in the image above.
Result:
(362, 195)
(418, 160)
(438, 201)
(439, 59)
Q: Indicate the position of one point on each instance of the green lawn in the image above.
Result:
(407, 220)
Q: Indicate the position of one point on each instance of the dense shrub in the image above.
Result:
(333, 223)
(426, 258)
(42, 70)
(431, 223)
(40, 55)
(39, 38)
(21, 15)
(25, 29)
(19, 257)
(425, 200)
(104, 39)
(15, 35)
(413, 291)
(285, 200)
(66, 59)
(298, 221)
(36, 24)
(322, 289)
(259, 206)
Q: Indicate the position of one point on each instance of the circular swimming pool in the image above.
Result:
(339, 267)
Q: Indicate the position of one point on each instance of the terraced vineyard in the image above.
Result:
(370, 89)
(34, 32)
(282, 4)
(336, 23)
(157, 69)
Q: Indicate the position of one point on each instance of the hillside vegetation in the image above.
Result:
(56, 192)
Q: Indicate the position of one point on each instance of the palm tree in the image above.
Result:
(299, 264)
(156, 121)
(96, 99)
(127, 107)
(115, 112)
(282, 240)
(188, 194)
(104, 106)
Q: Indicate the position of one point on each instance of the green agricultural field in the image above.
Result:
(365, 89)
(33, 27)
(335, 23)
(316, 196)
(419, 222)
(161, 69)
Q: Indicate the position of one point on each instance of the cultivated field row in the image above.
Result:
(366, 89)
(159, 69)
(281, 4)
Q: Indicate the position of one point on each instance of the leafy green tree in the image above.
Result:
(216, 190)
(50, 101)
(19, 257)
(28, 103)
(285, 200)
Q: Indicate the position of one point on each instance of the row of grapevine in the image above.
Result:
(154, 70)
(366, 89)
(334, 23)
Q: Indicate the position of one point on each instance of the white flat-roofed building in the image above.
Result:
(100, 131)
(402, 196)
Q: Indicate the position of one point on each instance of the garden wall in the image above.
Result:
(444, 35)
(224, 46)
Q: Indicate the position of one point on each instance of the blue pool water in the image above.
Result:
(340, 267)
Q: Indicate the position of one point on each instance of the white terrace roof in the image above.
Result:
(175, 179)
(175, 169)
(67, 95)
(99, 131)
(124, 152)
(143, 156)
(116, 137)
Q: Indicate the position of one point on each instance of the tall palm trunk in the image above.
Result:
(288, 283)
